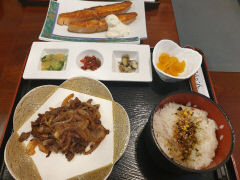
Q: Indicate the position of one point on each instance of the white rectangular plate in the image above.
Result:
(109, 54)
(51, 31)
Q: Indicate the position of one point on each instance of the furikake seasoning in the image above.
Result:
(185, 131)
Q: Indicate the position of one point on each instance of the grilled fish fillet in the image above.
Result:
(93, 12)
(98, 25)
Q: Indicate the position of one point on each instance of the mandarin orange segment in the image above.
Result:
(170, 64)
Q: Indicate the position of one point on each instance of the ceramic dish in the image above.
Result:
(22, 166)
(51, 31)
(191, 57)
(224, 133)
(109, 53)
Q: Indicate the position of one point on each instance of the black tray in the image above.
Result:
(138, 99)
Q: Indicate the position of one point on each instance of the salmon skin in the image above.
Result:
(93, 12)
(98, 25)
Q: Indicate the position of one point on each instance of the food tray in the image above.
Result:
(109, 54)
(138, 99)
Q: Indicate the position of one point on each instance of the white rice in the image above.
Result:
(204, 151)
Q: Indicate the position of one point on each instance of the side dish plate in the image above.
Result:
(51, 31)
(110, 55)
(22, 166)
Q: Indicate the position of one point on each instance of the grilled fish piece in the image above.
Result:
(98, 25)
(93, 12)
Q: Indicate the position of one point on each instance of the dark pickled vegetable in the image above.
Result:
(127, 65)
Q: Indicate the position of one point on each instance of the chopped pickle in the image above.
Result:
(53, 62)
(170, 65)
(127, 65)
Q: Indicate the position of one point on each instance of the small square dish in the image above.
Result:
(53, 60)
(101, 61)
(54, 31)
(125, 61)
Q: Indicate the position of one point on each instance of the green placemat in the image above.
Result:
(214, 27)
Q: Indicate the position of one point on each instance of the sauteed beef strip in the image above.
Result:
(24, 136)
(75, 127)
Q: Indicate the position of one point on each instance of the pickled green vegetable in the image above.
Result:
(53, 62)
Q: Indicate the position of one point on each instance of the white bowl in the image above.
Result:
(192, 59)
